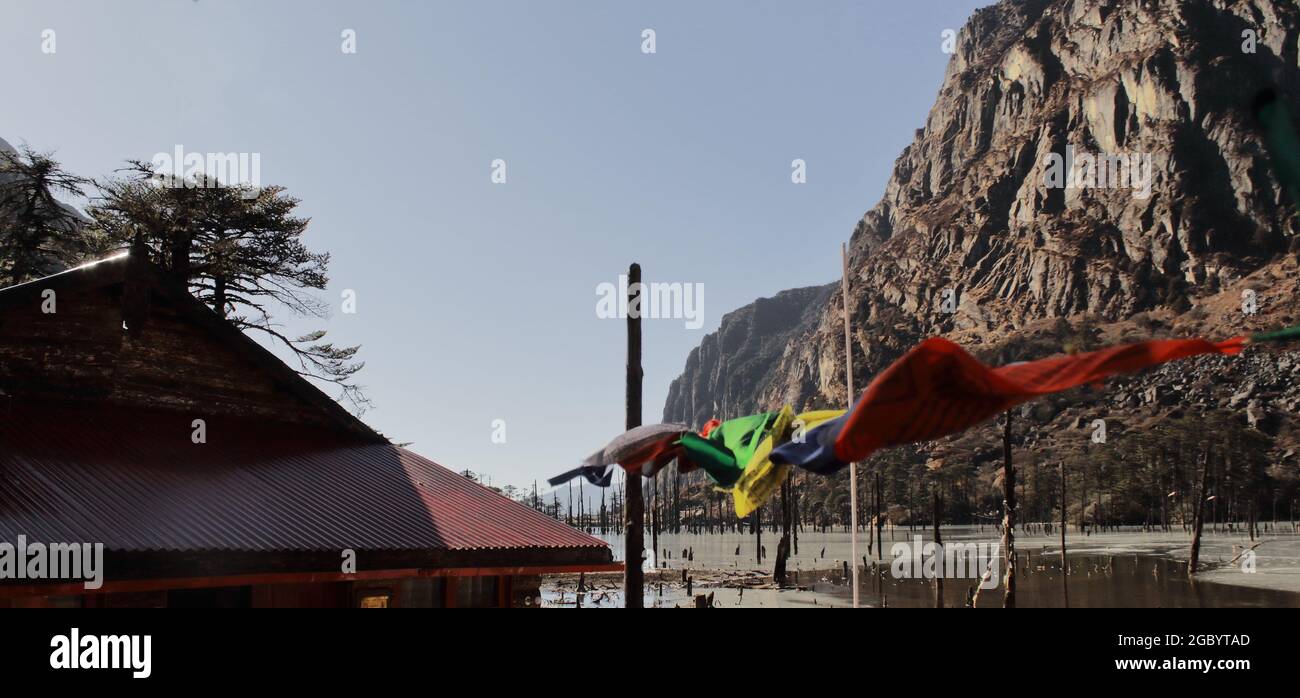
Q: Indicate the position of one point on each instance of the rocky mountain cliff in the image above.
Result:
(995, 231)
(733, 367)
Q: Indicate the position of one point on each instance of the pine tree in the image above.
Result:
(237, 249)
(39, 235)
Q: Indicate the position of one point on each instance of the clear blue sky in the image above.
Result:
(476, 301)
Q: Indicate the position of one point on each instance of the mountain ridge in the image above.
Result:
(1030, 269)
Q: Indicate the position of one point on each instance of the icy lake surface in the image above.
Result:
(1125, 568)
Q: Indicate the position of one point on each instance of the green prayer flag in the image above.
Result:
(1282, 335)
(725, 452)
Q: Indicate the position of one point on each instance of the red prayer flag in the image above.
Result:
(937, 389)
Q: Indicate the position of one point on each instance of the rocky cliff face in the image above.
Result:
(996, 232)
(732, 367)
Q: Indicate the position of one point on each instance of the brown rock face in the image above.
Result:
(732, 367)
(1083, 158)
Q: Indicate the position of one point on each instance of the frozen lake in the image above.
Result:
(1126, 568)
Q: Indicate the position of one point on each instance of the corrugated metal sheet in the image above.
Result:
(136, 482)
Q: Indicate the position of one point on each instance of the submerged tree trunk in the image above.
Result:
(878, 521)
(794, 514)
(1200, 508)
(1009, 516)
(1065, 568)
(654, 519)
(783, 548)
(938, 550)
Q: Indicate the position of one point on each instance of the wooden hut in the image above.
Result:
(134, 418)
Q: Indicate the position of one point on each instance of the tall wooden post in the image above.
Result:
(634, 539)
(853, 467)
(1009, 517)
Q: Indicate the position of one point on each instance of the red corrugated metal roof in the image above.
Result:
(134, 481)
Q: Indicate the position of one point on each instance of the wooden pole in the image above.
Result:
(853, 467)
(1009, 516)
(634, 539)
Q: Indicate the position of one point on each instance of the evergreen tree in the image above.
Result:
(39, 235)
(239, 250)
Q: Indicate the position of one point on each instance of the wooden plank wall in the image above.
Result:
(82, 353)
